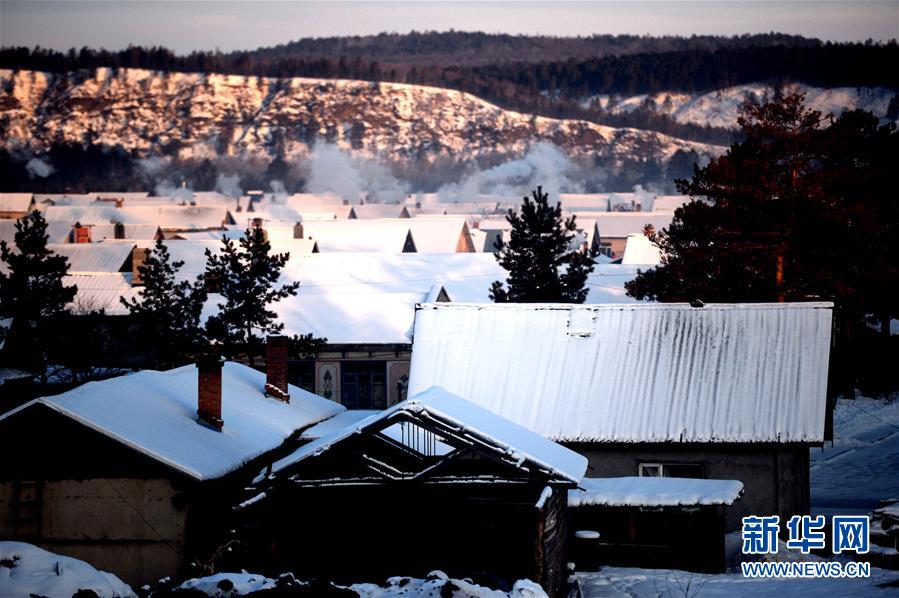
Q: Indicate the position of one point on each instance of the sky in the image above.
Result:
(246, 24)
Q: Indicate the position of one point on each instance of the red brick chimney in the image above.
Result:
(276, 350)
(209, 391)
(81, 234)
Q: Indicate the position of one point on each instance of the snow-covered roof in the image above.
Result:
(93, 257)
(375, 236)
(669, 203)
(520, 444)
(101, 290)
(654, 492)
(156, 413)
(370, 297)
(15, 202)
(618, 225)
(639, 250)
(65, 198)
(105, 213)
(165, 216)
(124, 195)
(380, 210)
(339, 422)
(440, 235)
(634, 373)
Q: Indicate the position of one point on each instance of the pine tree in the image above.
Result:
(542, 266)
(796, 211)
(167, 310)
(32, 293)
(246, 277)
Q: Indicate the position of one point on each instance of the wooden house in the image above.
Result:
(432, 482)
(136, 474)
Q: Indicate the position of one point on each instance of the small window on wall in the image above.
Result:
(671, 470)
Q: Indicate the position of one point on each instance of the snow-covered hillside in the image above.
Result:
(720, 108)
(199, 115)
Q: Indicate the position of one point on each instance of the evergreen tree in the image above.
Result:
(167, 310)
(542, 265)
(246, 277)
(797, 211)
(32, 293)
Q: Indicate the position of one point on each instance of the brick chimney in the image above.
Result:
(298, 230)
(209, 391)
(276, 350)
(81, 233)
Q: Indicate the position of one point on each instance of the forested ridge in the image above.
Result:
(547, 76)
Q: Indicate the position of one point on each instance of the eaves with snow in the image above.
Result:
(155, 413)
(727, 373)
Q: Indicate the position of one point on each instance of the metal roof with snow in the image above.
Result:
(94, 257)
(634, 373)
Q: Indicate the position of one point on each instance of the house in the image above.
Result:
(136, 474)
(434, 481)
(717, 391)
(614, 227)
(441, 234)
(15, 205)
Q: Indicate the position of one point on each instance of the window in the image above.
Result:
(363, 385)
(671, 470)
(302, 374)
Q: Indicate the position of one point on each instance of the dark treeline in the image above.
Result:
(827, 65)
(460, 48)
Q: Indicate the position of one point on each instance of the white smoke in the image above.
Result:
(37, 167)
(180, 194)
(644, 197)
(279, 191)
(228, 185)
(154, 165)
(545, 165)
(334, 171)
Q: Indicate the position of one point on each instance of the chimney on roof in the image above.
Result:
(119, 202)
(209, 391)
(276, 350)
(81, 233)
(298, 230)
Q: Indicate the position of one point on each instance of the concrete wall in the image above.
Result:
(131, 527)
(775, 478)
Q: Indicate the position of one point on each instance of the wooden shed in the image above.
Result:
(651, 522)
(434, 482)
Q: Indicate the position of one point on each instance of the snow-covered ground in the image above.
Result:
(437, 583)
(861, 466)
(26, 570)
(616, 582)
